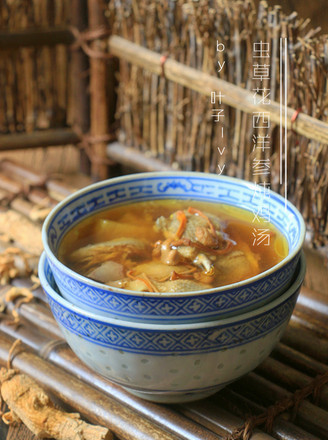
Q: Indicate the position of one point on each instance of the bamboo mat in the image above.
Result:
(297, 360)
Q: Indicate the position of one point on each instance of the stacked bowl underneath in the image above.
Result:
(178, 362)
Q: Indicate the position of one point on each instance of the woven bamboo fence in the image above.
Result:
(47, 82)
(34, 81)
(166, 112)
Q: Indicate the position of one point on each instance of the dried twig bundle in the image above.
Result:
(29, 403)
(16, 263)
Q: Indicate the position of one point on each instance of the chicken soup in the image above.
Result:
(169, 246)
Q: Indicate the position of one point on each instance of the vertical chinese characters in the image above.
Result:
(261, 164)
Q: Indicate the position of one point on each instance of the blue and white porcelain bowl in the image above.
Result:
(172, 363)
(188, 306)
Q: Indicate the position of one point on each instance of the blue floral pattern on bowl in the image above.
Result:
(172, 363)
(190, 306)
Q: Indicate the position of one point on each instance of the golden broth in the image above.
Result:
(83, 248)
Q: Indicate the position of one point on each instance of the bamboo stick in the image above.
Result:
(41, 85)
(78, 114)
(30, 89)
(5, 197)
(34, 339)
(282, 428)
(98, 96)
(299, 360)
(136, 89)
(48, 36)
(203, 29)
(21, 75)
(10, 184)
(182, 105)
(21, 172)
(164, 27)
(303, 318)
(174, 87)
(41, 198)
(38, 316)
(22, 206)
(309, 416)
(315, 302)
(132, 158)
(134, 102)
(217, 419)
(153, 81)
(289, 377)
(153, 116)
(201, 63)
(9, 89)
(61, 80)
(48, 59)
(235, 96)
(44, 138)
(59, 189)
(302, 340)
(19, 92)
(3, 118)
(238, 61)
(198, 102)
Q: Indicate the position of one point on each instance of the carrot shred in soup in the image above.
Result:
(171, 246)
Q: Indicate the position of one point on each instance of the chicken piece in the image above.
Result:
(125, 251)
(196, 227)
(158, 271)
(181, 286)
(204, 262)
(106, 272)
(171, 253)
(236, 266)
(165, 287)
(190, 236)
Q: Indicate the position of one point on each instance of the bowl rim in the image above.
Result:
(296, 284)
(126, 178)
